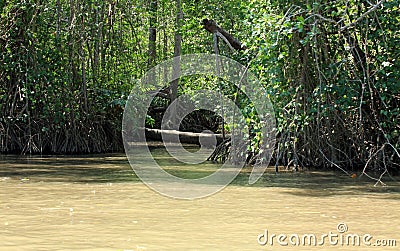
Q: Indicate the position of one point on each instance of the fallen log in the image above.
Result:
(174, 136)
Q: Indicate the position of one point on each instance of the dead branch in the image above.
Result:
(374, 7)
(213, 27)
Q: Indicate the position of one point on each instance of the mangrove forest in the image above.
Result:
(331, 70)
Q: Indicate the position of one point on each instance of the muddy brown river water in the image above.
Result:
(97, 203)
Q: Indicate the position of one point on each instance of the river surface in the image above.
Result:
(97, 203)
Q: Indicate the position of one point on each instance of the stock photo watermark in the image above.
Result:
(145, 90)
(340, 237)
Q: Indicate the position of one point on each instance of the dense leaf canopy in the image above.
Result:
(331, 69)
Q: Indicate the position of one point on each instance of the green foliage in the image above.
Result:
(65, 72)
(335, 88)
(331, 70)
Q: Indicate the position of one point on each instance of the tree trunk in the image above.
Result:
(183, 137)
(152, 52)
(177, 52)
(173, 120)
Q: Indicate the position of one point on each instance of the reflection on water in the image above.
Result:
(97, 203)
